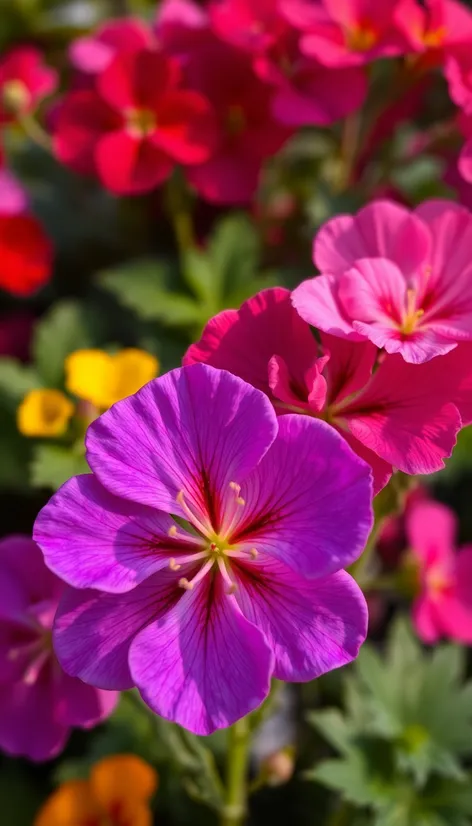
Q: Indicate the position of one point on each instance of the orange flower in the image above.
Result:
(116, 794)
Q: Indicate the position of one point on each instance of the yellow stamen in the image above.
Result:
(412, 315)
(173, 565)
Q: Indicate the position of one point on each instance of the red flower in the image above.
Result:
(247, 130)
(24, 81)
(135, 125)
(25, 254)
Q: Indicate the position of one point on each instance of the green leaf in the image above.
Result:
(16, 379)
(234, 251)
(60, 332)
(202, 277)
(138, 285)
(334, 728)
(52, 465)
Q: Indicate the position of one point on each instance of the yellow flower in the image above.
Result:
(102, 379)
(44, 413)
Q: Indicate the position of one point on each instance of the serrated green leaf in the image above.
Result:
(52, 465)
(60, 332)
(334, 728)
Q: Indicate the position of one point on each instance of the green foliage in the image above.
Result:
(53, 464)
(222, 275)
(60, 332)
(406, 728)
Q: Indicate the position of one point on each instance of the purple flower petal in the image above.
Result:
(28, 727)
(311, 626)
(93, 630)
(309, 501)
(24, 578)
(78, 704)
(194, 429)
(203, 665)
(93, 539)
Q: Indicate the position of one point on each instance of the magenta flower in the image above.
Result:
(213, 537)
(340, 33)
(131, 131)
(39, 703)
(444, 605)
(24, 81)
(247, 133)
(392, 413)
(401, 279)
(93, 53)
(434, 26)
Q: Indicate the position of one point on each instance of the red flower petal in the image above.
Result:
(25, 254)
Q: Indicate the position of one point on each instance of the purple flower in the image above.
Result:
(212, 536)
(39, 703)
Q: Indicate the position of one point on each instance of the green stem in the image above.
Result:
(179, 212)
(35, 132)
(234, 811)
(349, 148)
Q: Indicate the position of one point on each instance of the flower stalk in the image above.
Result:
(234, 810)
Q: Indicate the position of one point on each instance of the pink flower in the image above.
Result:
(307, 93)
(401, 279)
(434, 25)
(397, 415)
(341, 33)
(94, 53)
(39, 703)
(444, 605)
(247, 132)
(135, 125)
(24, 81)
(250, 24)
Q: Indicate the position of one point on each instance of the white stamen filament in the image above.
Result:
(193, 518)
(231, 585)
(251, 554)
(188, 585)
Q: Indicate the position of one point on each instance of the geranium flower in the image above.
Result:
(39, 703)
(92, 54)
(208, 546)
(137, 123)
(346, 33)
(401, 415)
(247, 132)
(117, 793)
(103, 379)
(24, 81)
(444, 605)
(26, 254)
(433, 26)
(44, 413)
(401, 279)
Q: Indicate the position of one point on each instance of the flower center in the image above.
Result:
(213, 549)
(411, 315)
(141, 122)
(235, 120)
(361, 38)
(15, 95)
(434, 37)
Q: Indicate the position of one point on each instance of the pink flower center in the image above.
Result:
(438, 580)
(361, 38)
(434, 37)
(217, 549)
(411, 314)
(235, 120)
(141, 122)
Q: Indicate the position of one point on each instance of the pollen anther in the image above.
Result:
(185, 584)
(173, 565)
